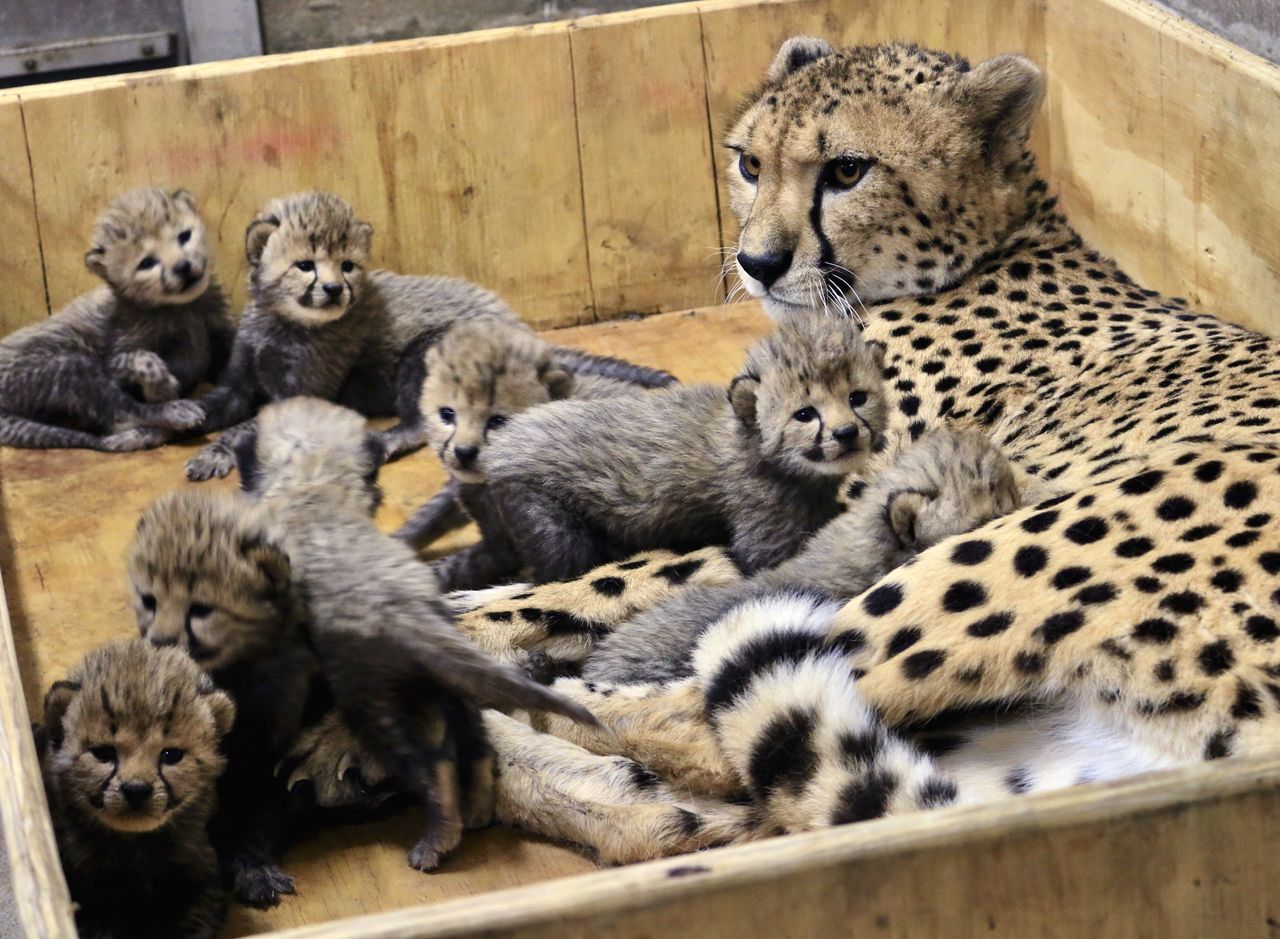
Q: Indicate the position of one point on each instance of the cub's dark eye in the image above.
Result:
(149, 602)
(147, 263)
(171, 755)
(749, 166)
(104, 753)
(348, 266)
(199, 610)
(305, 266)
(805, 415)
(857, 399)
(845, 174)
(447, 415)
(184, 236)
(495, 422)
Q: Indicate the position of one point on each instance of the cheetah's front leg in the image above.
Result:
(148, 372)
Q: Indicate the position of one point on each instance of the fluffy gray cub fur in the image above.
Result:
(105, 373)
(946, 484)
(386, 642)
(579, 483)
(318, 325)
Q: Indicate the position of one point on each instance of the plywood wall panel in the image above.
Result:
(462, 153)
(741, 38)
(22, 299)
(1165, 149)
(647, 169)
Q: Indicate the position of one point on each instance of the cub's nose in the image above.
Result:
(466, 455)
(334, 291)
(846, 434)
(182, 268)
(136, 793)
(766, 268)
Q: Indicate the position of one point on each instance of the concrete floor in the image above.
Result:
(1252, 24)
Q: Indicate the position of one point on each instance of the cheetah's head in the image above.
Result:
(812, 394)
(149, 246)
(873, 172)
(306, 254)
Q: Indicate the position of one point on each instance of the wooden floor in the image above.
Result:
(66, 520)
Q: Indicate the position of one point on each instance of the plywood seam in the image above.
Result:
(715, 174)
(35, 205)
(582, 174)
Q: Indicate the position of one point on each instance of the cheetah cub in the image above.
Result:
(579, 483)
(107, 372)
(477, 378)
(130, 753)
(945, 484)
(210, 575)
(407, 682)
(317, 324)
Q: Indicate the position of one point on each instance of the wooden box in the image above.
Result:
(574, 168)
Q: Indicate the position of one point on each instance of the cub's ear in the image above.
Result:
(271, 559)
(56, 702)
(256, 236)
(559, 383)
(796, 53)
(220, 703)
(742, 396)
(877, 350)
(184, 197)
(95, 261)
(1000, 99)
(362, 238)
(904, 510)
(247, 461)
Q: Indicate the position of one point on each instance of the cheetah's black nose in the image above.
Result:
(766, 268)
(334, 291)
(182, 268)
(136, 793)
(846, 434)
(466, 455)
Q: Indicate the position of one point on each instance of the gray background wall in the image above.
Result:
(309, 24)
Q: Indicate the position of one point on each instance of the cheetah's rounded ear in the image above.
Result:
(184, 197)
(904, 510)
(220, 704)
(271, 559)
(796, 53)
(362, 237)
(742, 396)
(257, 235)
(877, 350)
(56, 702)
(95, 261)
(559, 383)
(1000, 99)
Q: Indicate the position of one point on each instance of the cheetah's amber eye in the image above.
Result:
(149, 602)
(184, 236)
(171, 755)
(857, 399)
(447, 415)
(147, 263)
(495, 422)
(805, 415)
(305, 266)
(199, 610)
(845, 174)
(348, 266)
(749, 166)
(105, 753)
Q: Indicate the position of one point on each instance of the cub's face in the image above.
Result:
(208, 579)
(137, 737)
(471, 390)
(308, 254)
(863, 174)
(150, 248)
(821, 427)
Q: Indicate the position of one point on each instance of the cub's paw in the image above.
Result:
(152, 376)
(434, 846)
(209, 462)
(261, 887)
(177, 415)
(340, 773)
(137, 438)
